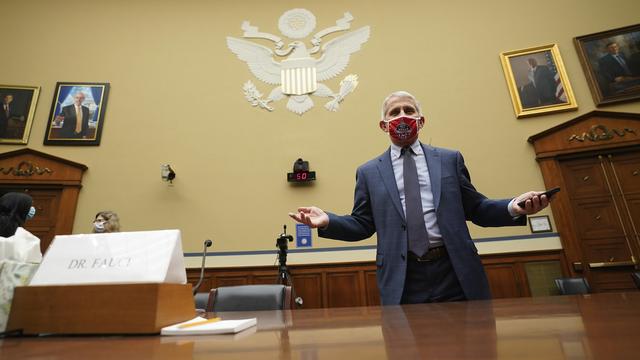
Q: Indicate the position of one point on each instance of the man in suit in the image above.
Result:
(418, 198)
(5, 114)
(543, 81)
(616, 73)
(613, 66)
(75, 118)
(634, 61)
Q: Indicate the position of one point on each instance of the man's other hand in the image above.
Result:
(312, 216)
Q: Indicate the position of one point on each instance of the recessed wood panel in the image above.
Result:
(309, 288)
(344, 290)
(584, 177)
(266, 279)
(541, 277)
(606, 250)
(597, 218)
(627, 171)
(230, 281)
(46, 202)
(612, 280)
(373, 293)
(503, 281)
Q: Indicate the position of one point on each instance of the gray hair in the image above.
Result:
(400, 94)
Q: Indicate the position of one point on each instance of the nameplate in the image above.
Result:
(113, 258)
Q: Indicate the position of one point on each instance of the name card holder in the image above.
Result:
(100, 309)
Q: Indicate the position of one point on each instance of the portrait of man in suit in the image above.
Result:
(5, 114)
(17, 107)
(74, 118)
(535, 75)
(616, 71)
(77, 114)
(417, 199)
(611, 62)
(543, 82)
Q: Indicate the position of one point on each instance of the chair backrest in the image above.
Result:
(250, 297)
(201, 300)
(636, 278)
(573, 286)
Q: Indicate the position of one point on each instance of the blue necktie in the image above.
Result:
(622, 63)
(416, 230)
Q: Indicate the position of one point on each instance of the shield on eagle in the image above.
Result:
(298, 76)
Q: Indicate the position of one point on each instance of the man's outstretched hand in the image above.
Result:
(534, 201)
(312, 216)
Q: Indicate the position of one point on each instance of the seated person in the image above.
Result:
(106, 222)
(15, 209)
(19, 249)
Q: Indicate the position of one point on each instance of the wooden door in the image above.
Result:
(604, 193)
(595, 159)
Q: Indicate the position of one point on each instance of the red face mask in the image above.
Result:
(403, 127)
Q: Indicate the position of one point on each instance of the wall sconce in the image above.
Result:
(167, 173)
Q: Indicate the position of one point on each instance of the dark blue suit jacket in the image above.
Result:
(69, 125)
(377, 208)
(610, 68)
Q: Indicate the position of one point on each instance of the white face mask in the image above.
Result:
(98, 226)
(32, 213)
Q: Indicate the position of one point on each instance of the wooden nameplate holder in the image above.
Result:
(100, 309)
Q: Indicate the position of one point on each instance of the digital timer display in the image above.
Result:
(301, 176)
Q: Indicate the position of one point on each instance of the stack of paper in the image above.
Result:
(202, 326)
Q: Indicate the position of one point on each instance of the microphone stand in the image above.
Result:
(207, 243)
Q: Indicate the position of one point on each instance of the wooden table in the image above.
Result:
(600, 326)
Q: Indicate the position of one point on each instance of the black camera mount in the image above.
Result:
(284, 277)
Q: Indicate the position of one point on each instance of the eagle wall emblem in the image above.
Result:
(299, 75)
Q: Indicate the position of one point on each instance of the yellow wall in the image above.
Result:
(176, 98)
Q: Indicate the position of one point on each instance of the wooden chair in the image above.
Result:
(573, 286)
(201, 300)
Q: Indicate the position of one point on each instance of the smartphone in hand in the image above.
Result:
(548, 193)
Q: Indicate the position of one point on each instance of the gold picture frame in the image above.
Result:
(17, 109)
(537, 81)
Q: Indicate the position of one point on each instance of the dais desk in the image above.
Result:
(600, 326)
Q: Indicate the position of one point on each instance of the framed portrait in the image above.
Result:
(537, 81)
(16, 113)
(77, 114)
(611, 62)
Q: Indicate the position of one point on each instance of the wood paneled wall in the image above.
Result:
(354, 284)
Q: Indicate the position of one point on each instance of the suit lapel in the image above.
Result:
(435, 172)
(389, 180)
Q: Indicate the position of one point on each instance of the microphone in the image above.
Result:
(207, 243)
